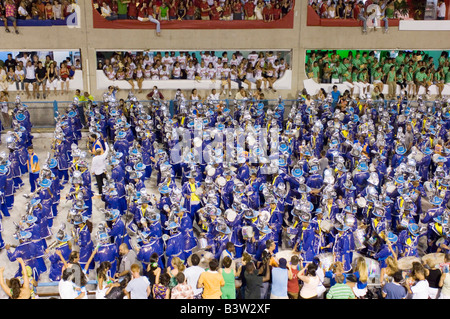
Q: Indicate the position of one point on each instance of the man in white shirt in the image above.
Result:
(98, 167)
(214, 97)
(66, 287)
(192, 274)
(139, 286)
(441, 10)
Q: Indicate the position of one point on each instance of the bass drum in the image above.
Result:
(205, 258)
(286, 254)
(434, 258)
(359, 236)
(405, 263)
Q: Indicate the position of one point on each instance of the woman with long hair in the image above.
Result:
(15, 289)
(103, 280)
(176, 266)
(361, 275)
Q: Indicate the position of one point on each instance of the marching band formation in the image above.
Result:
(318, 178)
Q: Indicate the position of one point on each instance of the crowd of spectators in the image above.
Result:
(410, 70)
(374, 11)
(264, 10)
(32, 75)
(260, 68)
(348, 9)
(13, 10)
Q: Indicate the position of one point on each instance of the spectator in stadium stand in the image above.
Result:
(148, 14)
(249, 10)
(10, 15)
(237, 10)
(441, 10)
(155, 93)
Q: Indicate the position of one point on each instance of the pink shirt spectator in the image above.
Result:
(10, 10)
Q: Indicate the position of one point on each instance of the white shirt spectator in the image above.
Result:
(30, 72)
(420, 290)
(99, 162)
(192, 274)
(66, 289)
(441, 10)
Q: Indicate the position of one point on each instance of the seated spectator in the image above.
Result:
(22, 11)
(107, 12)
(10, 15)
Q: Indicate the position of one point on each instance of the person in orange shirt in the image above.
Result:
(211, 281)
(33, 167)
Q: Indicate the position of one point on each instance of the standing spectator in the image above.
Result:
(41, 79)
(310, 280)
(15, 289)
(164, 12)
(211, 281)
(161, 289)
(394, 289)
(182, 290)
(249, 10)
(153, 270)
(66, 286)
(237, 10)
(128, 258)
(204, 10)
(192, 274)
(441, 10)
(181, 11)
(444, 282)
(139, 286)
(48, 11)
(33, 168)
(340, 290)
(52, 79)
(228, 274)
(417, 285)
(122, 9)
(293, 284)
(259, 11)
(98, 167)
(254, 280)
(10, 62)
(190, 10)
(64, 77)
(280, 280)
(10, 15)
(176, 266)
(361, 274)
(433, 276)
(57, 10)
(22, 11)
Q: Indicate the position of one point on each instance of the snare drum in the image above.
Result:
(390, 188)
(326, 260)
(361, 202)
(247, 232)
(436, 258)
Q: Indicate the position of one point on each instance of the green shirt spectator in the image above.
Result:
(421, 76)
(122, 8)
